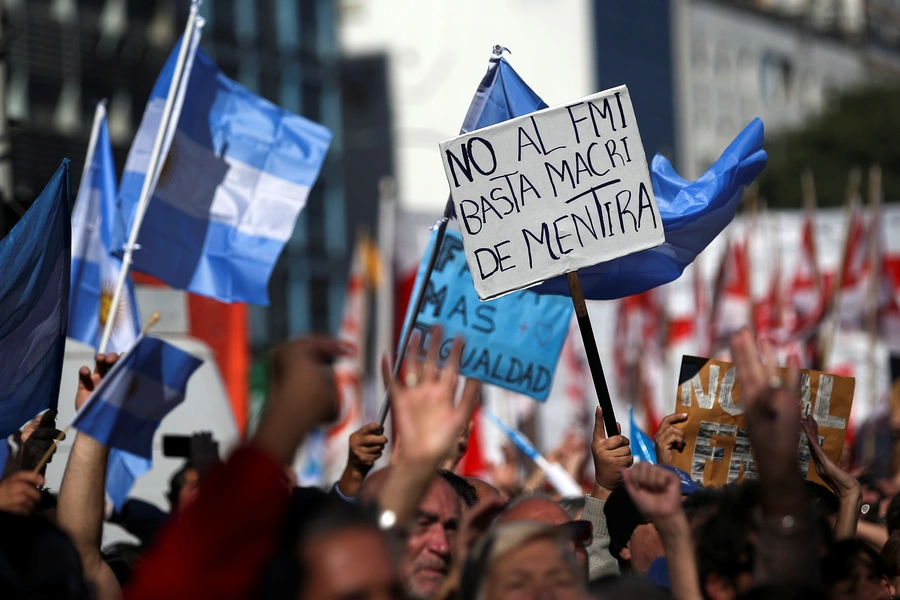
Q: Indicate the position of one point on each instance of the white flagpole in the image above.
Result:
(99, 114)
(150, 177)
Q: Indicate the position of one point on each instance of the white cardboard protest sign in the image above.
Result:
(551, 192)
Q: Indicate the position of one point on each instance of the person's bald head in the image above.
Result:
(541, 510)
(485, 490)
(372, 485)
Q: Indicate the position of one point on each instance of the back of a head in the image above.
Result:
(892, 519)
(843, 558)
(536, 506)
(625, 588)
(826, 502)
(622, 518)
(312, 513)
(723, 542)
(37, 560)
(890, 555)
(701, 505)
(122, 558)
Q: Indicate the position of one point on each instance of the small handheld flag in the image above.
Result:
(127, 407)
(558, 477)
(643, 448)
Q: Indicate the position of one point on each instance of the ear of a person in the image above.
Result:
(625, 553)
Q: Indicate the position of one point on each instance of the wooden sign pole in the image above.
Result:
(593, 354)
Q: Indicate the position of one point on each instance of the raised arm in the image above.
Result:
(222, 541)
(657, 494)
(611, 457)
(841, 483)
(81, 509)
(428, 423)
(785, 542)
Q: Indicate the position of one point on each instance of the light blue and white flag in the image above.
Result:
(94, 270)
(126, 408)
(693, 212)
(235, 174)
(643, 448)
(34, 297)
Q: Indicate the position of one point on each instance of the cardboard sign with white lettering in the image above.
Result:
(551, 192)
(717, 449)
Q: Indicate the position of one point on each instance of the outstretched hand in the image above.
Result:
(427, 423)
(773, 420)
(611, 457)
(303, 393)
(425, 415)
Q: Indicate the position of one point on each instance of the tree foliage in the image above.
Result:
(856, 129)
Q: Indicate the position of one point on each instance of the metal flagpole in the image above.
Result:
(99, 113)
(149, 178)
(416, 302)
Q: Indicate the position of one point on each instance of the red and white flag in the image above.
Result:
(732, 301)
(854, 272)
(365, 272)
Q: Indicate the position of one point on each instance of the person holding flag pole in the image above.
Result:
(164, 136)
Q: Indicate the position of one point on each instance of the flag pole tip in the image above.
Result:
(151, 322)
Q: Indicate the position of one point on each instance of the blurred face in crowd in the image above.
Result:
(189, 490)
(542, 510)
(863, 584)
(350, 564)
(537, 569)
(428, 547)
(643, 548)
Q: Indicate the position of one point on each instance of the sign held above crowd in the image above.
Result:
(551, 192)
(717, 448)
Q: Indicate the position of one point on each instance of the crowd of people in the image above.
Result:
(241, 528)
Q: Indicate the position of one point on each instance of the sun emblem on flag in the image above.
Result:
(170, 164)
(107, 289)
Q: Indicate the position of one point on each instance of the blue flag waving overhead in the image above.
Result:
(34, 296)
(126, 408)
(94, 270)
(693, 213)
(236, 174)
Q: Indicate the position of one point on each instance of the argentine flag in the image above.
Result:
(34, 299)
(94, 270)
(143, 387)
(234, 175)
